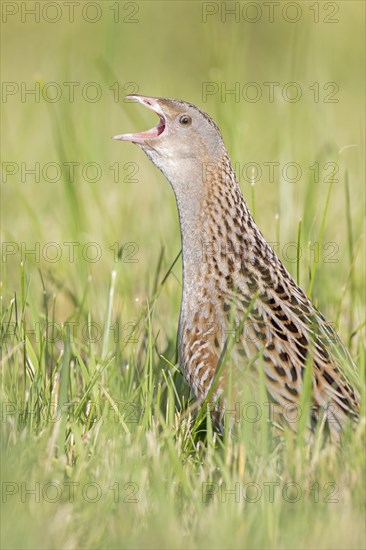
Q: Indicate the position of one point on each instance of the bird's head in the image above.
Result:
(185, 137)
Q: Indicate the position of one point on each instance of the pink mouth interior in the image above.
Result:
(153, 132)
(140, 137)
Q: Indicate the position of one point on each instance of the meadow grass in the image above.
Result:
(102, 444)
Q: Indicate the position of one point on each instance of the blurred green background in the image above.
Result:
(174, 49)
(170, 49)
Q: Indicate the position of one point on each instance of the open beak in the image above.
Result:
(140, 137)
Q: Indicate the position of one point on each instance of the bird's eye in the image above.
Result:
(185, 120)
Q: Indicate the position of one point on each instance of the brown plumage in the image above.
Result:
(241, 309)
